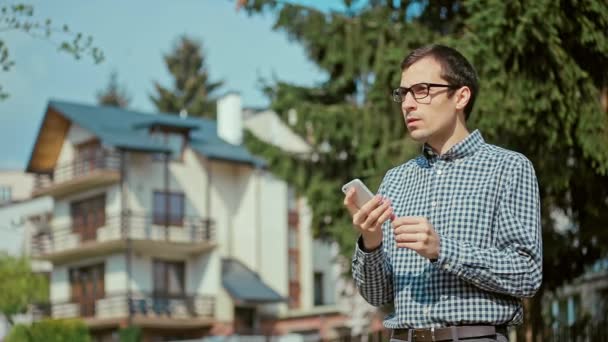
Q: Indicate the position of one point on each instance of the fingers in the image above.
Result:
(378, 215)
(410, 237)
(370, 212)
(408, 220)
(361, 215)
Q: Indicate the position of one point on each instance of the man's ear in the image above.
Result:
(462, 97)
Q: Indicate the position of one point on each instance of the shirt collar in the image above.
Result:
(466, 147)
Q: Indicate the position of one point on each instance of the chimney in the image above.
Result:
(230, 118)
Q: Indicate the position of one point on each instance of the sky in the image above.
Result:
(134, 35)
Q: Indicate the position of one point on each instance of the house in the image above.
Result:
(18, 215)
(166, 223)
(337, 309)
(582, 301)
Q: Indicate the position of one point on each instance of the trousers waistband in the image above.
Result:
(453, 333)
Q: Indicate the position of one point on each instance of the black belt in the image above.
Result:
(453, 333)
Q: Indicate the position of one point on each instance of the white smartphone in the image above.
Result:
(362, 193)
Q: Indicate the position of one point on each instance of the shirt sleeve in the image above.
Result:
(513, 266)
(372, 270)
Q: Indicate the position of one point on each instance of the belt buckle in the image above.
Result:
(422, 334)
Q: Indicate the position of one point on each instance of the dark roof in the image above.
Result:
(245, 285)
(127, 129)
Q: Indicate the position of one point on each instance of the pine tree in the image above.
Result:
(544, 92)
(114, 95)
(192, 88)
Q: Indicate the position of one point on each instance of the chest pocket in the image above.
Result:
(471, 218)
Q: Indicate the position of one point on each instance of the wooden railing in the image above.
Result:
(116, 305)
(100, 160)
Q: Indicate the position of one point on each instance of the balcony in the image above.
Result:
(98, 169)
(146, 310)
(189, 235)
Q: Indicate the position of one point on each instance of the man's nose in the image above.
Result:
(409, 104)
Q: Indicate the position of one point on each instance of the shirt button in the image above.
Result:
(446, 266)
(439, 172)
(434, 204)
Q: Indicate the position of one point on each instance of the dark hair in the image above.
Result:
(455, 69)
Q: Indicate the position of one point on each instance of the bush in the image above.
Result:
(132, 334)
(50, 330)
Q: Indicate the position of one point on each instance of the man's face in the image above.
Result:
(433, 117)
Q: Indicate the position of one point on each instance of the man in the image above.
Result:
(453, 237)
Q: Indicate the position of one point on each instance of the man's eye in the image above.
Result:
(419, 89)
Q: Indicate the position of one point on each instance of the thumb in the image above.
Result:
(349, 202)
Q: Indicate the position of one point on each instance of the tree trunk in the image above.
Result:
(533, 327)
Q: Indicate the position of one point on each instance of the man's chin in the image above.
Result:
(418, 136)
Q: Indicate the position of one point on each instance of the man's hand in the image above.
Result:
(417, 233)
(369, 218)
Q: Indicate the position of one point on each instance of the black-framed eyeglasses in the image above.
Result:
(418, 90)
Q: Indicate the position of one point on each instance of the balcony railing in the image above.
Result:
(149, 305)
(117, 228)
(79, 168)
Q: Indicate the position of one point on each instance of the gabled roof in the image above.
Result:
(245, 285)
(128, 129)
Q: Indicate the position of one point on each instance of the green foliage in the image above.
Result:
(131, 334)
(50, 331)
(114, 95)
(543, 69)
(20, 17)
(20, 287)
(192, 87)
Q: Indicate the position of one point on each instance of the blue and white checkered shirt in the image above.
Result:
(483, 202)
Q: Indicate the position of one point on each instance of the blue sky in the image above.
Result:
(133, 36)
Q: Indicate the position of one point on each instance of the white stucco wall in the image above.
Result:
(201, 273)
(20, 183)
(145, 175)
(307, 252)
(76, 135)
(15, 228)
(324, 260)
(274, 233)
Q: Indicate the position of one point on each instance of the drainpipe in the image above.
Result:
(166, 186)
(257, 172)
(208, 198)
(231, 218)
(124, 221)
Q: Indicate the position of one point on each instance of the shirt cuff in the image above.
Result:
(368, 255)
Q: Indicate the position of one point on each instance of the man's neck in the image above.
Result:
(441, 145)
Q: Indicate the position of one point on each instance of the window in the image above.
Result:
(87, 286)
(244, 319)
(318, 288)
(169, 278)
(168, 208)
(293, 267)
(5, 193)
(174, 141)
(291, 199)
(89, 157)
(293, 238)
(88, 215)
